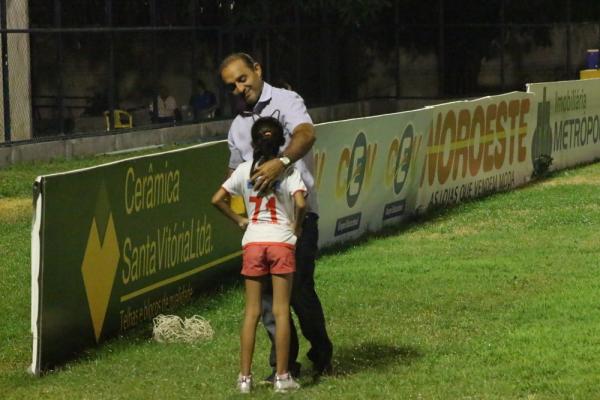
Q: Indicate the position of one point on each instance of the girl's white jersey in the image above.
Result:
(270, 217)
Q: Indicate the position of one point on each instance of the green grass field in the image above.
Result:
(494, 299)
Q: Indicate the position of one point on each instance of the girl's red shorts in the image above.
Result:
(261, 259)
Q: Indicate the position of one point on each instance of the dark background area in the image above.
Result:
(93, 55)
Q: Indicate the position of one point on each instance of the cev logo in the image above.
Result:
(355, 169)
(398, 160)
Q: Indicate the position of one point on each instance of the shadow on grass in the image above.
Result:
(369, 356)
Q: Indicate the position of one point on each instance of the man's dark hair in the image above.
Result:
(245, 57)
(267, 138)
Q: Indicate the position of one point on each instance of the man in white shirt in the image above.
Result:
(167, 110)
(243, 77)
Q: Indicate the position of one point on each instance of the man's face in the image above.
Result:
(243, 80)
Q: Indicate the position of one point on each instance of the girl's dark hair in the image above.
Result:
(267, 146)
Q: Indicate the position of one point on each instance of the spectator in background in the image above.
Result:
(167, 108)
(203, 102)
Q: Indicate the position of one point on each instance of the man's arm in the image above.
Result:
(303, 138)
(302, 141)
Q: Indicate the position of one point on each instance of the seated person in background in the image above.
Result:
(167, 108)
(203, 102)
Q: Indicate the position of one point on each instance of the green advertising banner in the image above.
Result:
(117, 244)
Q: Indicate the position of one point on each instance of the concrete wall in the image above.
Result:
(80, 146)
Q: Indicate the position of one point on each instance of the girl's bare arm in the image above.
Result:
(220, 200)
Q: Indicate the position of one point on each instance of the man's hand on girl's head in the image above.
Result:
(266, 174)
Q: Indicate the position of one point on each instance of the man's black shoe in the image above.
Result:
(295, 369)
(321, 362)
(322, 369)
(269, 380)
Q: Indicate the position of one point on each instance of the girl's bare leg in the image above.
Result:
(251, 317)
(282, 285)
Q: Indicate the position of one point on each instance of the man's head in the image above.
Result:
(242, 76)
(163, 92)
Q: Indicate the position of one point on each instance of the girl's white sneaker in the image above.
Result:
(244, 383)
(284, 383)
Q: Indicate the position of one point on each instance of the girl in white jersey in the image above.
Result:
(271, 230)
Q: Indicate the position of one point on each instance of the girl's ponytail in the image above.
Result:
(267, 138)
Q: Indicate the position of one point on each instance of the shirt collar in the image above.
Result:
(265, 95)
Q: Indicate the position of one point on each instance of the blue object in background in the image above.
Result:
(592, 59)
